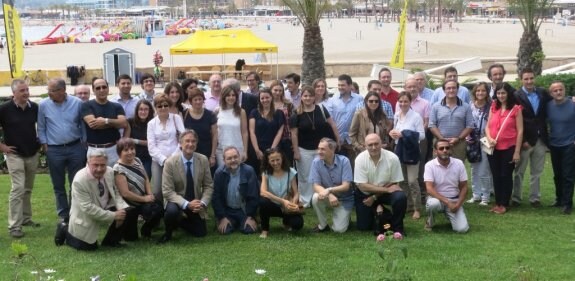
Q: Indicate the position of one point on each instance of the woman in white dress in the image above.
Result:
(232, 125)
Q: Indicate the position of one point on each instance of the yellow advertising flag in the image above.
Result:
(13, 38)
(398, 55)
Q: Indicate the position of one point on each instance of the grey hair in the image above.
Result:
(16, 83)
(92, 153)
(231, 148)
(330, 143)
(60, 83)
(232, 83)
(188, 132)
(420, 73)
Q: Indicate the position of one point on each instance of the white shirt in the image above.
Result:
(163, 140)
(386, 170)
(412, 121)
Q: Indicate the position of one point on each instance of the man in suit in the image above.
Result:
(95, 201)
(535, 137)
(187, 187)
(236, 194)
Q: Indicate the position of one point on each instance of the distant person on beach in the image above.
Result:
(103, 119)
(450, 73)
(213, 96)
(124, 96)
(60, 133)
(148, 83)
(387, 92)
(83, 92)
(20, 147)
(293, 92)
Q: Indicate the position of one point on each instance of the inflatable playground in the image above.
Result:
(127, 29)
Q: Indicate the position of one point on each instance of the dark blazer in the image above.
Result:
(249, 190)
(249, 102)
(534, 124)
(407, 148)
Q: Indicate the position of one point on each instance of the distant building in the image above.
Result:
(93, 4)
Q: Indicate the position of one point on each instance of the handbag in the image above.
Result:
(485, 145)
(473, 151)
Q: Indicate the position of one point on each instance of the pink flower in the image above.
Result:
(398, 236)
(380, 237)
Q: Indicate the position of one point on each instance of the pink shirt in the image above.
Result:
(508, 136)
(445, 179)
(418, 105)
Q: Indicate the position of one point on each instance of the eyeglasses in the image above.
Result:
(100, 88)
(443, 148)
(373, 101)
(148, 81)
(163, 105)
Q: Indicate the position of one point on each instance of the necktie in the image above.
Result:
(189, 182)
(101, 188)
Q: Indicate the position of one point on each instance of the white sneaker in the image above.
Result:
(484, 203)
(473, 200)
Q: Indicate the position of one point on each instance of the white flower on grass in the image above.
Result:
(260, 271)
(33, 272)
(95, 278)
(60, 279)
(49, 270)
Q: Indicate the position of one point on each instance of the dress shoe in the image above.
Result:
(536, 204)
(165, 238)
(16, 233)
(555, 204)
(514, 204)
(61, 230)
(316, 229)
(567, 210)
(31, 224)
(114, 244)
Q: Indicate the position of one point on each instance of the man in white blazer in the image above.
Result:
(95, 201)
(187, 187)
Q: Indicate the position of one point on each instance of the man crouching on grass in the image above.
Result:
(446, 183)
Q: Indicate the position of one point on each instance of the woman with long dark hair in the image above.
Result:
(144, 112)
(232, 125)
(504, 132)
(204, 123)
(285, 105)
(176, 94)
(369, 120)
(279, 195)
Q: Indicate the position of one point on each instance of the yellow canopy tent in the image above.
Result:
(226, 41)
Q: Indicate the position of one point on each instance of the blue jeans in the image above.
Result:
(62, 158)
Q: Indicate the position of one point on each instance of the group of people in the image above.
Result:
(269, 152)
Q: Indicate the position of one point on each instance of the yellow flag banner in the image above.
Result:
(398, 56)
(13, 38)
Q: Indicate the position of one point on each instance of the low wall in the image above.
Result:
(357, 69)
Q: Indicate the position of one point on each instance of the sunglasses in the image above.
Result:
(443, 148)
(163, 105)
(373, 101)
(100, 88)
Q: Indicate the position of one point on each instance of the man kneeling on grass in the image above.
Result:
(95, 201)
(236, 195)
(446, 183)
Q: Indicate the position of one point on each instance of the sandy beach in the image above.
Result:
(345, 40)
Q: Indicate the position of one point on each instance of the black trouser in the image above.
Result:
(191, 222)
(113, 236)
(152, 214)
(366, 215)
(270, 209)
(563, 161)
(502, 172)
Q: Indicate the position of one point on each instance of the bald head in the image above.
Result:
(411, 87)
(82, 92)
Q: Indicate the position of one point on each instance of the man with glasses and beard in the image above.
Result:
(446, 182)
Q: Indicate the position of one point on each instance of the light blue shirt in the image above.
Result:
(439, 94)
(426, 94)
(129, 106)
(344, 111)
(234, 199)
(59, 123)
(533, 99)
(279, 187)
(334, 175)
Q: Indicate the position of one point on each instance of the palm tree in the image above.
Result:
(531, 14)
(309, 13)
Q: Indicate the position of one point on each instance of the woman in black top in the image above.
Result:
(203, 122)
(308, 126)
(139, 132)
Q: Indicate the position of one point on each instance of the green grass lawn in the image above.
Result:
(496, 248)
